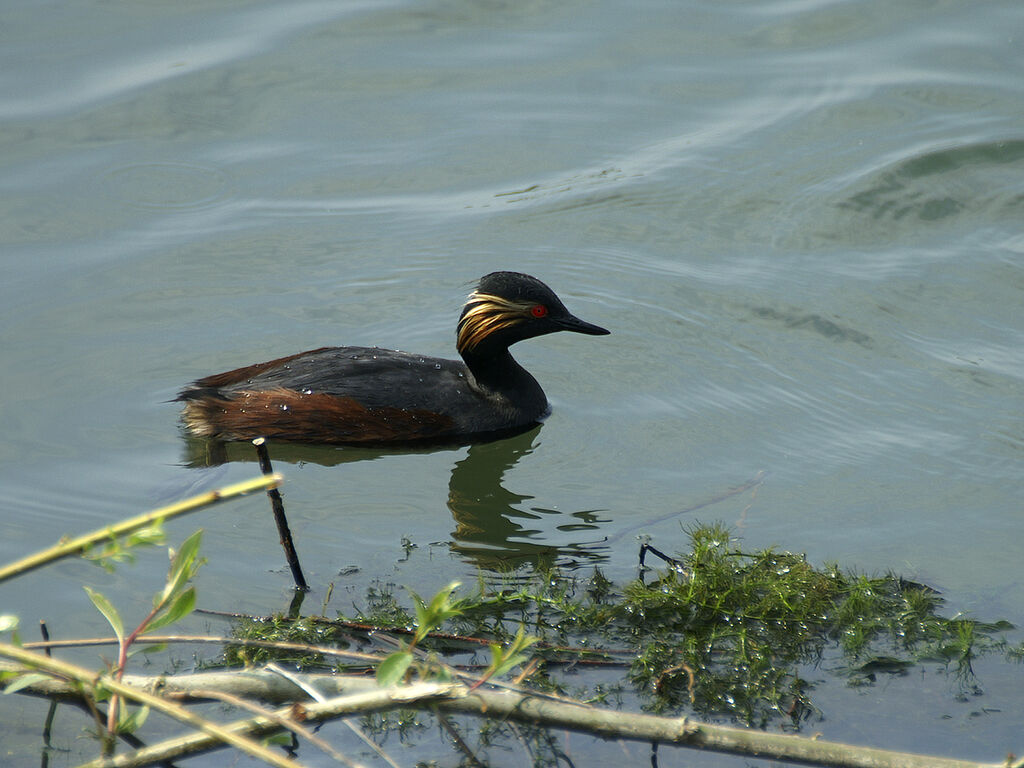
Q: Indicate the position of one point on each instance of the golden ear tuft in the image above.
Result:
(485, 314)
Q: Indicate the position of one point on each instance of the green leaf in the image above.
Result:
(108, 610)
(129, 723)
(181, 606)
(422, 615)
(183, 567)
(8, 622)
(430, 617)
(442, 600)
(522, 640)
(393, 668)
(504, 659)
(509, 663)
(100, 691)
(151, 534)
(23, 681)
(449, 609)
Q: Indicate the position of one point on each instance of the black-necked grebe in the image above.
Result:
(370, 396)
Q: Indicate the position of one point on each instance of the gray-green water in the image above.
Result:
(802, 222)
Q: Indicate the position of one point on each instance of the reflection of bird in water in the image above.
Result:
(369, 396)
(482, 507)
(491, 522)
(490, 519)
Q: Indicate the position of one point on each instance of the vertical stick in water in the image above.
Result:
(279, 517)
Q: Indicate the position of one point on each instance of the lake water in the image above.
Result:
(803, 222)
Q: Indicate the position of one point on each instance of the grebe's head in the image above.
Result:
(507, 307)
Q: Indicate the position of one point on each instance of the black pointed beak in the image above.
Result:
(573, 323)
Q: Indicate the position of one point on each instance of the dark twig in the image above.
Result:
(277, 505)
(453, 734)
(676, 565)
(48, 723)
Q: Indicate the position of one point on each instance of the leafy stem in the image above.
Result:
(175, 601)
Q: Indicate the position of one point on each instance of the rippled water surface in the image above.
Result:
(802, 222)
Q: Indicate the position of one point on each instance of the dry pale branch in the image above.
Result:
(84, 679)
(380, 699)
(348, 695)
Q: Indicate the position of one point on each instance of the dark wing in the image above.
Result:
(229, 379)
(376, 377)
(332, 395)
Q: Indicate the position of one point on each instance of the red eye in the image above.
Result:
(538, 310)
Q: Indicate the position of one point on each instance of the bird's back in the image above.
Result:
(351, 395)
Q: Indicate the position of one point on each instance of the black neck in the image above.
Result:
(498, 372)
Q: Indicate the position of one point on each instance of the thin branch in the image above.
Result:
(526, 707)
(287, 722)
(82, 543)
(314, 694)
(280, 518)
(90, 680)
(457, 739)
(370, 658)
(373, 701)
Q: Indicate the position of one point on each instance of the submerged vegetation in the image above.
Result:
(719, 632)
